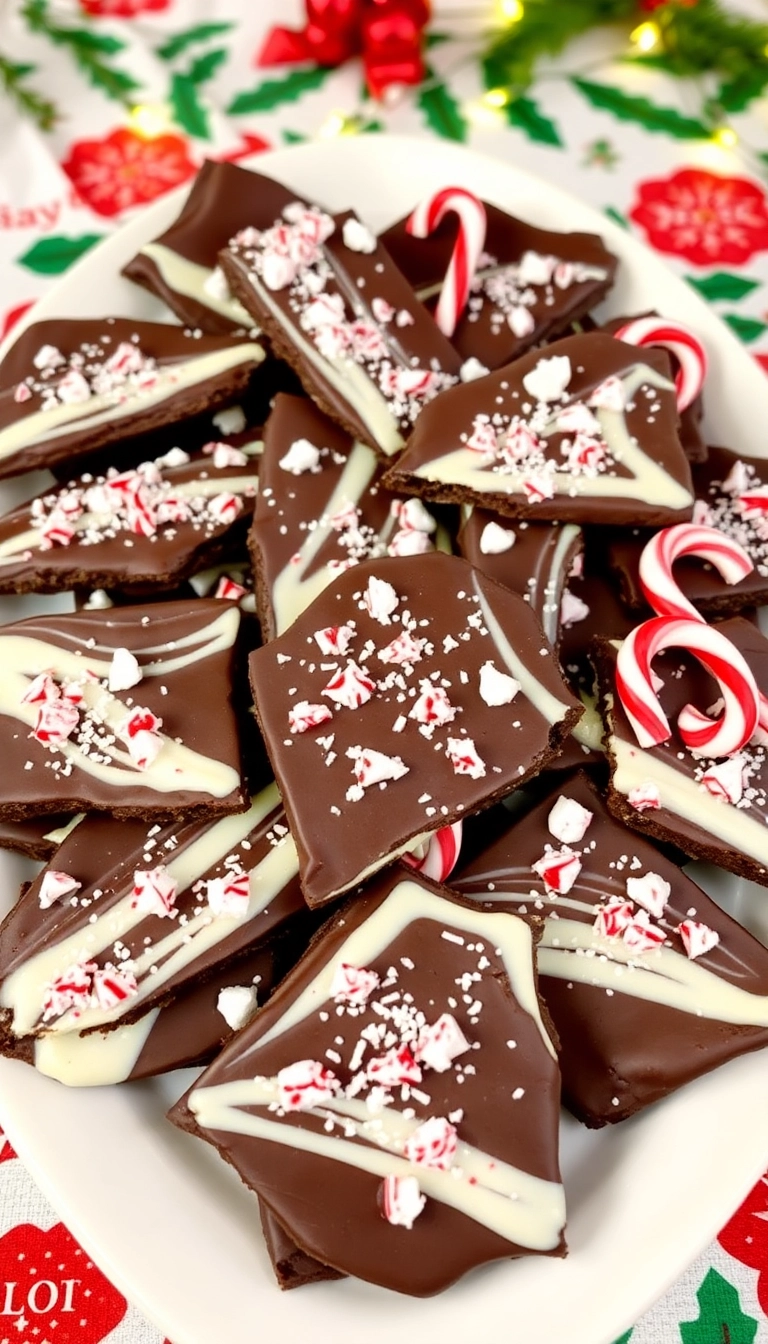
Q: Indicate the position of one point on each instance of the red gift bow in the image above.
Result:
(387, 32)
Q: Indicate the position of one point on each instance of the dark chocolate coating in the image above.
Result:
(608, 616)
(483, 331)
(698, 580)
(206, 724)
(293, 1267)
(527, 567)
(514, 741)
(445, 424)
(29, 837)
(686, 681)
(619, 1052)
(168, 345)
(329, 1208)
(359, 278)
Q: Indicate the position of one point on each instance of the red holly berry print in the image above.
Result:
(126, 169)
(46, 1280)
(745, 1237)
(121, 9)
(12, 317)
(249, 144)
(6, 1151)
(703, 217)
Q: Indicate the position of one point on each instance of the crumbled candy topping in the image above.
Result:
(495, 539)
(305, 1084)
(154, 892)
(568, 821)
(353, 984)
(651, 891)
(697, 938)
(237, 1004)
(401, 1200)
(497, 688)
(559, 869)
(54, 886)
(433, 1144)
(229, 895)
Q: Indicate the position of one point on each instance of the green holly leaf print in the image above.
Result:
(746, 328)
(188, 111)
(721, 1320)
(526, 115)
(205, 67)
(87, 49)
(737, 93)
(293, 137)
(624, 1339)
(616, 216)
(723, 285)
(629, 107)
(200, 33)
(442, 111)
(274, 92)
(52, 255)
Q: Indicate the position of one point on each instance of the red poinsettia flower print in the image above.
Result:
(703, 216)
(121, 9)
(49, 1280)
(126, 169)
(6, 1151)
(745, 1237)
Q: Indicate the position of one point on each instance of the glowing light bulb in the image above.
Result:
(646, 36)
(149, 119)
(512, 10)
(334, 124)
(725, 137)
(496, 98)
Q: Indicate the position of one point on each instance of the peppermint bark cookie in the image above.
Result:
(710, 808)
(127, 917)
(732, 495)
(412, 692)
(69, 386)
(181, 265)
(585, 431)
(322, 509)
(530, 285)
(126, 710)
(337, 309)
(648, 982)
(380, 1113)
(533, 559)
(146, 528)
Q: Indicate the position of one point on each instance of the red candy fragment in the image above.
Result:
(558, 869)
(353, 984)
(305, 1084)
(154, 891)
(441, 1043)
(433, 1144)
(401, 1200)
(395, 1068)
(304, 716)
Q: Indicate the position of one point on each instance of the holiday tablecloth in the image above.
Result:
(106, 104)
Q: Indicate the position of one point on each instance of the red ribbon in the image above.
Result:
(387, 33)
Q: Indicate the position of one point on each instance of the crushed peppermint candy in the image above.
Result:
(643, 936)
(558, 869)
(229, 895)
(353, 984)
(54, 886)
(305, 1084)
(237, 1004)
(432, 1144)
(373, 767)
(302, 456)
(497, 688)
(697, 938)
(440, 1043)
(495, 539)
(394, 1069)
(651, 891)
(572, 609)
(401, 1200)
(124, 671)
(726, 780)
(380, 600)
(464, 757)
(350, 688)
(334, 639)
(644, 796)
(304, 716)
(568, 820)
(154, 892)
(357, 236)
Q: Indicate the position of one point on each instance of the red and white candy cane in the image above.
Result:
(466, 253)
(708, 543)
(442, 854)
(680, 342)
(706, 736)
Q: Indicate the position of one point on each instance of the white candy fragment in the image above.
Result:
(124, 671)
(464, 757)
(726, 780)
(572, 609)
(549, 378)
(231, 420)
(520, 321)
(334, 638)
(652, 891)
(48, 357)
(229, 895)
(609, 395)
(373, 767)
(497, 688)
(433, 1144)
(380, 600)
(301, 456)
(154, 891)
(353, 984)
(472, 369)
(401, 1200)
(534, 268)
(697, 938)
(432, 705)
(357, 237)
(54, 887)
(237, 1004)
(440, 1043)
(305, 1084)
(568, 820)
(644, 796)
(494, 539)
(558, 870)
(412, 515)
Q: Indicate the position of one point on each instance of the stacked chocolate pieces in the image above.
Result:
(434, 502)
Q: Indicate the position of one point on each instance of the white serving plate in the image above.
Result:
(167, 1221)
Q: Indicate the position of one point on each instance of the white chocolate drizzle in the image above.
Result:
(188, 278)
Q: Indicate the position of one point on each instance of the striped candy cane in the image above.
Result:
(703, 735)
(708, 543)
(680, 342)
(466, 253)
(440, 855)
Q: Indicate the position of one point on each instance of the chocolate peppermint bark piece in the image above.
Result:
(147, 528)
(126, 917)
(380, 1113)
(648, 982)
(103, 710)
(713, 809)
(694, 445)
(69, 386)
(337, 309)
(411, 692)
(732, 495)
(181, 265)
(533, 559)
(530, 286)
(37, 838)
(322, 509)
(584, 432)
(293, 1268)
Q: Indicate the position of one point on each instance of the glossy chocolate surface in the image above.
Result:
(318, 1200)
(619, 1051)
(443, 602)
(512, 307)
(443, 459)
